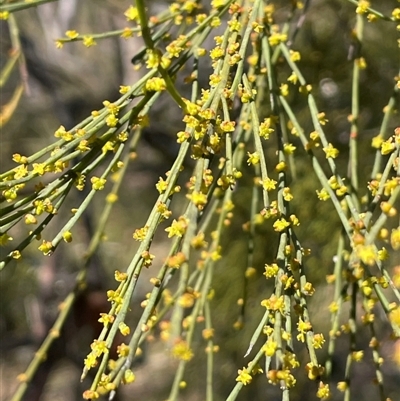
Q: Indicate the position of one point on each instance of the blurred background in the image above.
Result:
(63, 86)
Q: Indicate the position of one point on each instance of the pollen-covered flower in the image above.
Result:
(182, 351)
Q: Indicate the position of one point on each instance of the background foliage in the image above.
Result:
(264, 264)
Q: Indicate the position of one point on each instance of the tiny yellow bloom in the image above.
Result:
(132, 14)
(331, 151)
(244, 377)
(254, 158)
(71, 34)
(88, 41)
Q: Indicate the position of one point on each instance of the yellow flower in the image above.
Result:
(30, 219)
(140, 233)
(111, 120)
(119, 276)
(71, 34)
(182, 351)
(98, 183)
(357, 356)
(387, 147)
(280, 225)
(270, 347)
(123, 350)
(295, 56)
(277, 38)
(363, 6)
(67, 236)
(367, 254)
(303, 327)
(254, 158)
(322, 118)
(318, 341)
(4, 238)
(155, 84)
(244, 377)
(323, 391)
(106, 319)
(39, 168)
(323, 194)
(293, 78)
(127, 33)
(274, 303)
(284, 88)
(16, 254)
(269, 184)
(88, 41)
(228, 126)
(46, 247)
(218, 3)
(271, 270)
(198, 198)
(90, 395)
(132, 14)
(215, 22)
(395, 238)
(394, 316)
(396, 13)
(178, 227)
(289, 148)
(287, 195)
(265, 128)
(129, 376)
(314, 371)
(331, 151)
(4, 15)
(162, 185)
(99, 347)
